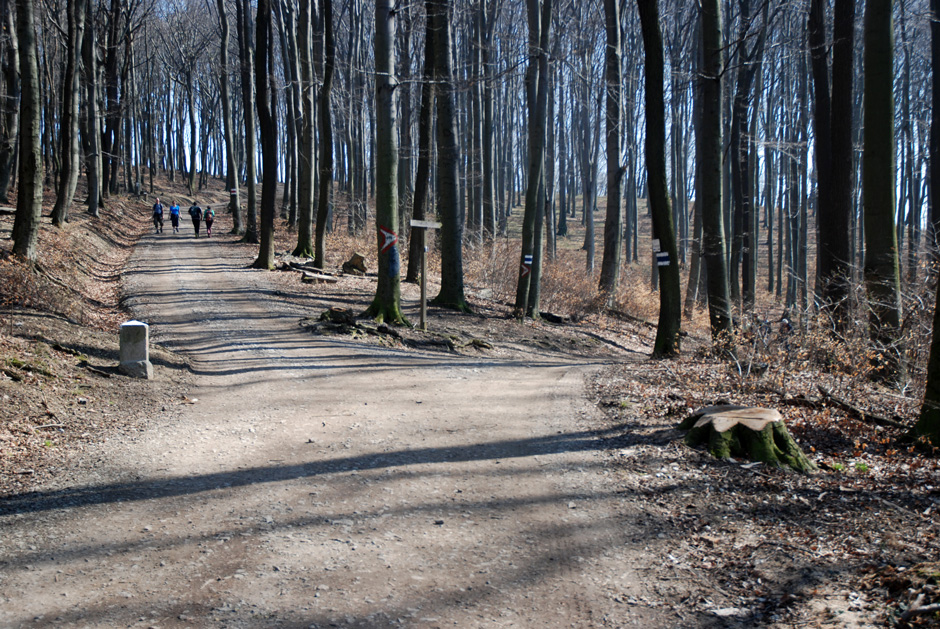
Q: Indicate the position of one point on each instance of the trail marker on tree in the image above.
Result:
(423, 227)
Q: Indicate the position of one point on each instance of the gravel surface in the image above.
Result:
(311, 481)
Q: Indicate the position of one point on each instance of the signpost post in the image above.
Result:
(423, 227)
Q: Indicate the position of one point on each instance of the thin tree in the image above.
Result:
(386, 306)
(29, 179)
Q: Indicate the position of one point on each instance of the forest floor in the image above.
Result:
(282, 471)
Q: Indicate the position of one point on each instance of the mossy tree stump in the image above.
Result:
(757, 434)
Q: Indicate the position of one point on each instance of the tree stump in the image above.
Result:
(355, 265)
(757, 434)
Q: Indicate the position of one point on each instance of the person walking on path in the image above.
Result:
(158, 217)
(175, 217)
(196, 213)
(208, 216)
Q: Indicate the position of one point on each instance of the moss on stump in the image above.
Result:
(757, 434)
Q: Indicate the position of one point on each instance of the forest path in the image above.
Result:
(317, 482)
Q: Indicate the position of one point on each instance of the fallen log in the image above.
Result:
(317, 278)
(859, 414)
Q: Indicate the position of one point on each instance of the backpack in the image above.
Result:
(209, 214)
(157, 209)
(195, 211)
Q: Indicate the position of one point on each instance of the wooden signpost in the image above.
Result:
(423, 227)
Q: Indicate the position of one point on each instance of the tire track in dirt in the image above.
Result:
(317, 482)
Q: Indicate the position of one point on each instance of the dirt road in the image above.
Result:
(314, 482)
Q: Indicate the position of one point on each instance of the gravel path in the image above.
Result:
(313, 482)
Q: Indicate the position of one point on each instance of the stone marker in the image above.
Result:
(135, 350)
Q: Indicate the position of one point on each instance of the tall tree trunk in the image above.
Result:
(386, 306)
(423, 169)
(325, 121)
(451, 294)
(613, 225)
(882, 273)
(670, 300)
(306, 137)
(539, 14)
(29, 180)
(231, 170)
(267, 118)
(246, 50)
(710, 158)
(9, 109)
(93, 162)
(933, 196)
(68, 135)
(928, 425)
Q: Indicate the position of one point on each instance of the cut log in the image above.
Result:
(757, 434)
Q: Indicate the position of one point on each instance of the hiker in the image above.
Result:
(158, 217)
(208, 216)
(175, 217)
(196, 212)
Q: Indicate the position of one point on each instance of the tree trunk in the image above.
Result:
(231, 178)
(29, 184)
(325, 121)
(451, 294)
(670, 301)
(93, 165)
(882, 273)
(386, 306)
(933, 196)
(613, 225)
(267, 118)
(246, 52)
(710, 158)
(539, 17)
(68, 133)
(9, 110)
(423, 169)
